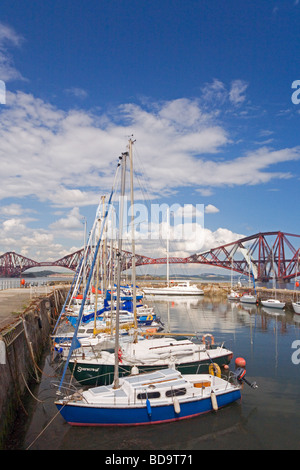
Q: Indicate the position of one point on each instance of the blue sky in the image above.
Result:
(204, 86)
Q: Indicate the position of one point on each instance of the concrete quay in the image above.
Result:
(14, 301)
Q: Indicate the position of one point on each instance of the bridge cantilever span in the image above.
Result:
(269, 251)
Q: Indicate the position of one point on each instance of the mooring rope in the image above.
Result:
(43, 430)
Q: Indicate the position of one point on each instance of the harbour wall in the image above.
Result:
(22, 344)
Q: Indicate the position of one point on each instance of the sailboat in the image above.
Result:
(97, 368)
(183, 287)
(248, 297)
(233, 295)
(152, 398)
(274, 302)
(296, 307)
(296, 303)
(160, 396)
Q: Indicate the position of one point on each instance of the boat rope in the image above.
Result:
(43, 430)
(26, 385)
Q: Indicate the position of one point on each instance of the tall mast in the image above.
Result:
(123, 175)
(168, 241)
(133, 267)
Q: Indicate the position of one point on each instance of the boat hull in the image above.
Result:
(103, 374)
(248, 300)
(80, 414)
(278, 305)
(296, 307)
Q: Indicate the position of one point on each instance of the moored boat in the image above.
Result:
(181, 288)
(273, 303)
(147, 355)
(248, 298)
(296, 307)
(157, 397)
(233, 295)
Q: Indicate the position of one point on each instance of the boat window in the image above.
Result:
(144, 396)
(175, 392)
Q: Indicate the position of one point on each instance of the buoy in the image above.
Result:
(240, 362)
(22, 282)
(176, 406)
(214, 401)
(297, 284)
(226, 366)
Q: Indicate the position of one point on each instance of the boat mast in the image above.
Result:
(117, 329)
(168, 241)
(133, 267)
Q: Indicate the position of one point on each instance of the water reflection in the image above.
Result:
(266, 418)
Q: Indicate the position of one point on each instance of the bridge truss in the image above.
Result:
(269, 252)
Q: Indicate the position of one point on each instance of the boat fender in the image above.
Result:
(120, 355)
(134, 370)
(176, 406)
(149, 411)
(240, 362)
(58, 348)
(214, 401)
(172, 363)
(212, 339)
(214, 369)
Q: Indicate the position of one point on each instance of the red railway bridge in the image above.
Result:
(265, 254)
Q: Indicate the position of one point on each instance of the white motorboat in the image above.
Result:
(181, 288)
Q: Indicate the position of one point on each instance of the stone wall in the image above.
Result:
(21, 348)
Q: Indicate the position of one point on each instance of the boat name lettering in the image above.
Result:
(85, 369)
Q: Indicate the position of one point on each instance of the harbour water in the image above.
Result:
(266, 418)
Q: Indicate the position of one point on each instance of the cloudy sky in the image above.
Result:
(208, 89)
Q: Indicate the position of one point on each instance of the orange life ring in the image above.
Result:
(212, 339)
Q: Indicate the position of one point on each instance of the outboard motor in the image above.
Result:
(240, 376)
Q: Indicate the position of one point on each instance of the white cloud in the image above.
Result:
(204, 240)
(14, 210)
(211, 209)
(238, 87)
(8, 38)
(77, 92)
(70, 226)
(217, 94)
(67, 159)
